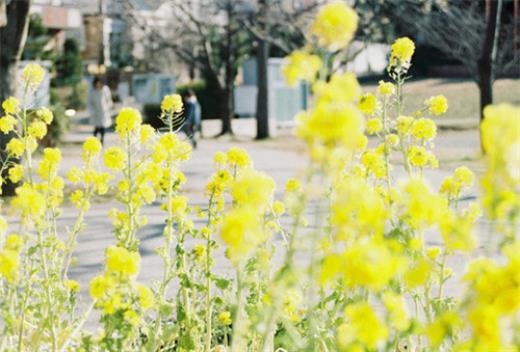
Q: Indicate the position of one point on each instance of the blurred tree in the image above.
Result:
(37, 39)
(69, 65)
(477, 35)
(205, 35)
(12, 40)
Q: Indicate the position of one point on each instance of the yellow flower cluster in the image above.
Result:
(403, 49)
(127, 121)
(301, 65)
(501, 182)
(437, 105)
(172, 103)
(11, 105)
(367, 104)
(10, 257)
(252, 194)
(496, 300)
(335, 25)
(116, 290)
(33, 75)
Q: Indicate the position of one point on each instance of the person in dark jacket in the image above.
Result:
(190, 118)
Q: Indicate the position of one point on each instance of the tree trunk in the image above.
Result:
(226, 109)
(487, 58)
(12, 41)
(262, 98)
(486, 61)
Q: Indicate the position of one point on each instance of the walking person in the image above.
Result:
(100, 104)
(189, 126)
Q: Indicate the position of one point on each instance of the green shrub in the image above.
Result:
(152, 113)
(78, 98)
(59, 125)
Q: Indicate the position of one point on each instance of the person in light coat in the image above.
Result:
(100, 104)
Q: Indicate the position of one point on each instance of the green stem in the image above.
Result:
(238, 323)
(48, 295)
(208, 280)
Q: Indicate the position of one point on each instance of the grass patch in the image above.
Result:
(462, 94)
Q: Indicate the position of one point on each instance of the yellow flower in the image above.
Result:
(374, 125)
(114, 158)
(220, 158)
(241, 232)
(331, 125)
(335, 25)
(418, 156)
(386, 88)
(77, 197)
(131, 317)
(146, 133)
(418, 274)
(253, 188)
(179, 204)
(11, 105)
(91, 147)
(13, 242)
(403, 124)
(422, 207)
(49, 164)
(278, 208)
(464, 176)
(199, 250)
(7, 123)
(120, 260)
(9, 262)
(444, 325)
(501, 141)
(15, 147)
(225, 318)
(32, 75)
(146, 297)
(457, 232)
(301, 65)
(172, 103)
(374, 162)
(37, 129)
(45, 115)
(370, 264)
(392, 140)
(365, 325)
(292, 185)
(403, 49)
(16, 173)
(29, 201)
(99, 286)
(487, 330)
(238, 157)
(341, 88)
(397, 310)
(127, 121)
(112, 303)
(424, 128)
(437, 105)
(433, 252)
(367, 104)
(71, 285)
